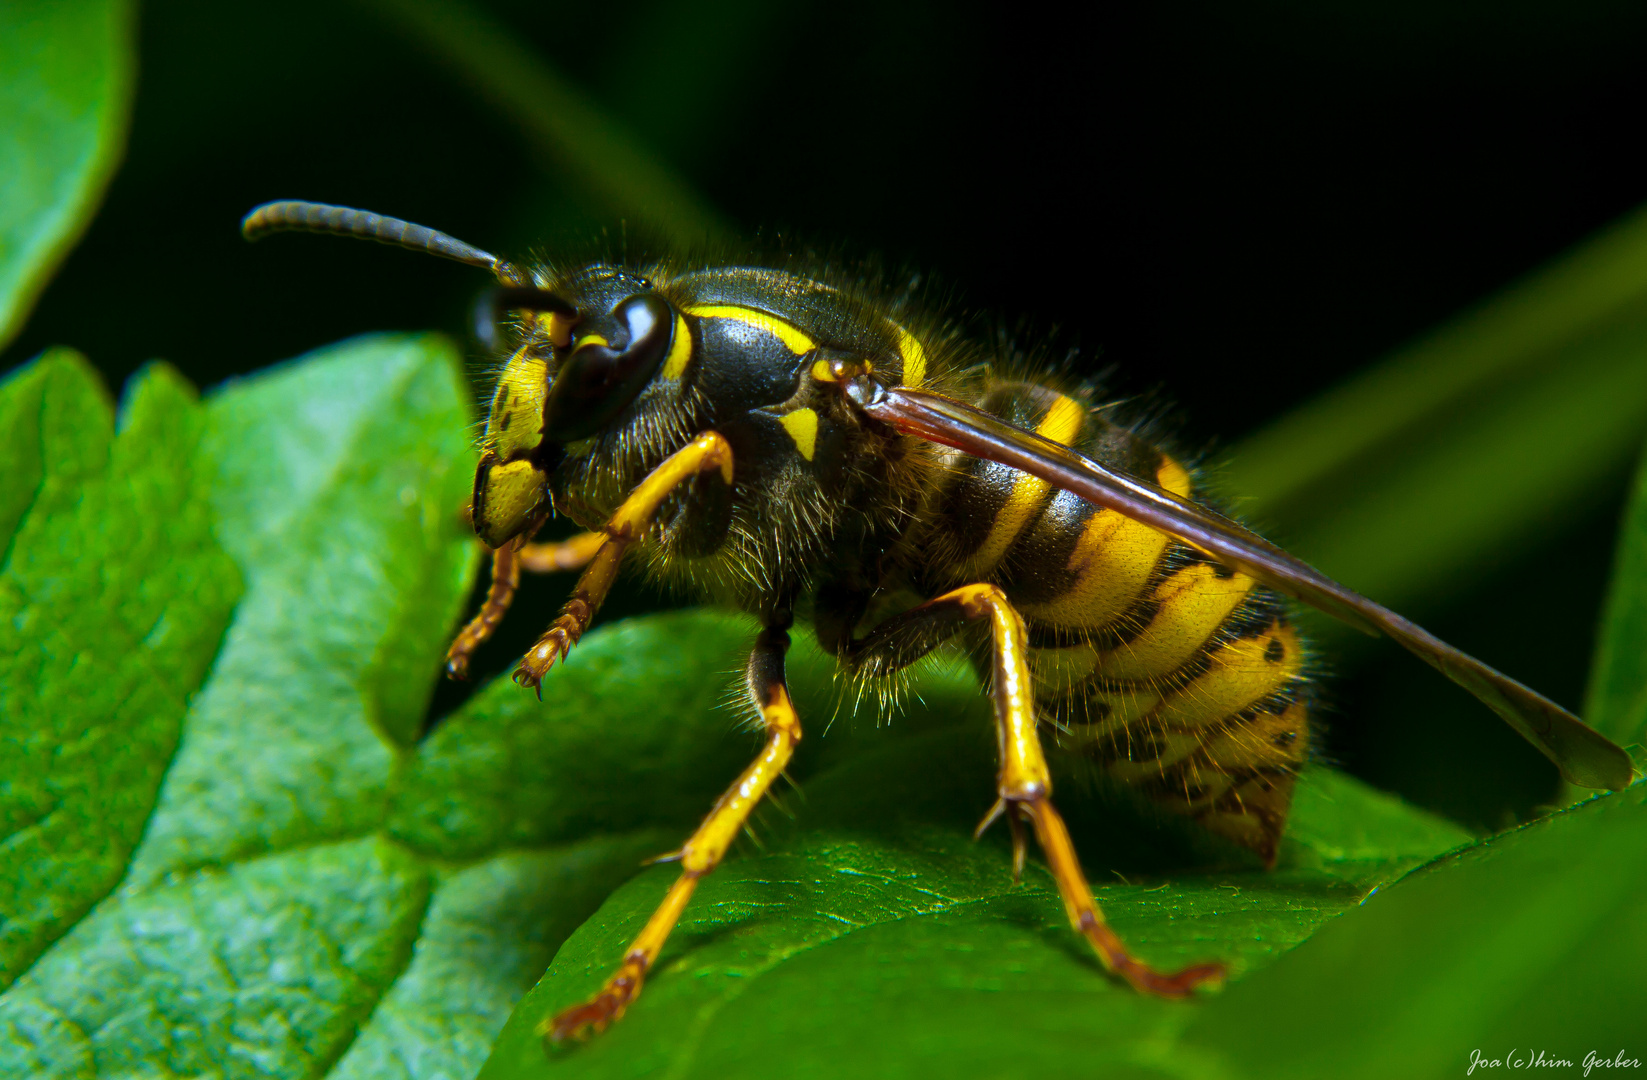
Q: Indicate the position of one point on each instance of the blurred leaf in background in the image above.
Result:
(65, 104)
(1617, 702)
(1528, 944)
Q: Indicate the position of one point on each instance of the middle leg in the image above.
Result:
(573, 553)
(703, 852)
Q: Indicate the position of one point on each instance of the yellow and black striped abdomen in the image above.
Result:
(1182, 678)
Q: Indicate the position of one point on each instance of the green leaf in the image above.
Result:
(1617, 700)
(337, 482)
(66, 74)
(880, 939)
(1411, 479)
(1532, 942)
(114, 597)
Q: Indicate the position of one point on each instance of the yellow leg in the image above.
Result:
(1024, 786)
(703, 852)
(705, 453)
(507, 563)
(573, 553)
(505, 579)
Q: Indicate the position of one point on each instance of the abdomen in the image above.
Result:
(1181, 678)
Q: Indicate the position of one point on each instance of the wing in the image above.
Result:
(1583, 755)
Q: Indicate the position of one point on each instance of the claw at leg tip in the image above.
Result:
(990, 818)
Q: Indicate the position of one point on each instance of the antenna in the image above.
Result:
(291, 216)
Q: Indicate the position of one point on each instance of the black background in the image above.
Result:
(1240, 203)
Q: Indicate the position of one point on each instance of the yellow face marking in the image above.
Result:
(1062, 423)
(802, 425)
(515, 424)
(507, 497)
(1191, 605)
(1238, 675)
(590, 339)
(797, 342)
(680, 351)
(914, 358)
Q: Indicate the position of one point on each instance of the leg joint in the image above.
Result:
(1031, 788)
(978, 601)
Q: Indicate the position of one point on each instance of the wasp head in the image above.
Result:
(605, 344)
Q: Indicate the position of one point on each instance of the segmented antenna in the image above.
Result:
(291, 216)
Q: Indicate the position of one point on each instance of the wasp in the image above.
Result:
(799, 450)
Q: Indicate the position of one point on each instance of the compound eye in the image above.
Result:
(601, 378)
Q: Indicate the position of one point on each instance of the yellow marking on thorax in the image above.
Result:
(1062, 423)
(1112, 561)
(802, 425)
(797, 342)
(680, 350)
(914, 358)
(1238, 675)
(840, 370)
(1174, 477)
(557, 327)
(1191, 605)
(515, 422)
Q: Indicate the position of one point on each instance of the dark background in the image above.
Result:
(1240, 203)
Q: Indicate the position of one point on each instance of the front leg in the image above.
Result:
(1024, 784)
(499, 595)
(703, 852)
(573, 553)
(706, 452)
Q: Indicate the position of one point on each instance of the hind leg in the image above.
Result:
(1023, 784)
